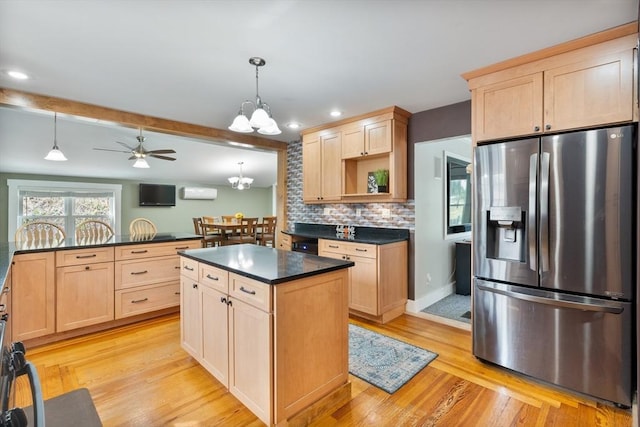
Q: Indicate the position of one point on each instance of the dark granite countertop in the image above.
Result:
(372, 235)
(7, 250)
(267, 265)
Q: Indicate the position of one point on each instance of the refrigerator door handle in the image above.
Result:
(605, 307)
(531, 220)
(544, 212)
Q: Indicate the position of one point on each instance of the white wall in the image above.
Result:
(434, 256)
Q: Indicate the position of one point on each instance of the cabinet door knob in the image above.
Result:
(87, 268)
(195, 286)
(547, 127)
(536, 128)
(223, 300)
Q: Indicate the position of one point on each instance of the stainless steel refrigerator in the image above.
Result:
(553, 240)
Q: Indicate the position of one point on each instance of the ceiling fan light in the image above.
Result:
(55, 155)
(241, 124)
(272, 129)
(260, 118)
(141, 163)
(234, 180)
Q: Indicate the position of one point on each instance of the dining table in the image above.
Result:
(226, 229)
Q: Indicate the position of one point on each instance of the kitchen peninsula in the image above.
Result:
(271, 325)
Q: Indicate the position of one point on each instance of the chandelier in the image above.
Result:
(55, 154)
(261, 118)
(240, 182)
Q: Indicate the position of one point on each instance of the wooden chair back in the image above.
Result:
(142, 229)
(228, 218)
(209, 237)
(248, 232)
(209, 219)
(268, 232)
(93, 231)
(39, 234)
(197, 226)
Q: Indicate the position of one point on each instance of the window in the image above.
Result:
(457, 196)
(66, 204)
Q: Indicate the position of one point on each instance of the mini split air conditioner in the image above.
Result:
(199, 193)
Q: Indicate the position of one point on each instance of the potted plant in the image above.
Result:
(382, 179)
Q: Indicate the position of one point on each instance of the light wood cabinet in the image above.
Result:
(577, 88)
(147, 277)
(84, 288)
(33, 295)
(321, 167)
(254, 337)
(5, 306)
(285, 242)
(378, 281)
(360, 145)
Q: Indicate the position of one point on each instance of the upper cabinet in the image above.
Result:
(584, 83)
(339, 159)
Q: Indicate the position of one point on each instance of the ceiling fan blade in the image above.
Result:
(108, 149)
(160, 157)
(167, 151)
(126, 146)
(133, 158)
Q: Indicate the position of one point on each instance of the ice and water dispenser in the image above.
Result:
(506, 233)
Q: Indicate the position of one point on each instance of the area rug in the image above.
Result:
(383, 361)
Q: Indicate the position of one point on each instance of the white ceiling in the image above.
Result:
(188, 61)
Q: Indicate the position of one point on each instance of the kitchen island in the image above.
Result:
(271, 325)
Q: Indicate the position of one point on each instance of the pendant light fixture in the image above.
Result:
(261, 118)
(240, 182)
(55, 154)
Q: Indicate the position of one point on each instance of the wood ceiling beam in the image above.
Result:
(19, 99)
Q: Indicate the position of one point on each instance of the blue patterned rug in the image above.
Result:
(383, 361)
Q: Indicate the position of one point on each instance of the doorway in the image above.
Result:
(435, 239)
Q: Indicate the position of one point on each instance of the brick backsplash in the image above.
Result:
(402, 214)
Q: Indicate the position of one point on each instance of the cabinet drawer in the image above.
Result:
(83, 256)
(148, 250)
(133, 273)
(348, 248)
(214, 277)
(189, 268)
(250, 291)
(130, 302)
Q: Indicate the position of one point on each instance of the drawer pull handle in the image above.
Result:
(5, 317)
(333, 246)
(181, 248)
(135, 301)
(212, 278)
(135, 273)
(86, 256)
(186, 267)
(176, 293)
(177, 267)
(361, 250)
(144, 251)
(250, 292)
(223, 300)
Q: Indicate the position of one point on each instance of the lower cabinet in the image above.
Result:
(379, 280)
(263, 355)
(84, 288)
(33, 295)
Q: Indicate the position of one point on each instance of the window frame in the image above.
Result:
(17, 185)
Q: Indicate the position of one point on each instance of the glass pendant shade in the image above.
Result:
(241, 124)
(240, 182)
(259, 118)
(56, 155)
(271, 129)
(141, 163)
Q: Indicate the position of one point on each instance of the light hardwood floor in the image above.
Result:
(139, 376)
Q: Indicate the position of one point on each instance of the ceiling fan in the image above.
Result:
(139, 153)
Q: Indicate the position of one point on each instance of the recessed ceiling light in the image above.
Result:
(293, 125)
(18, 75)
(336, 113)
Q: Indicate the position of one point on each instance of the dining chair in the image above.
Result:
(93, 231)
(248, 232)
(39, 234)
(228, 218)
(268, 231)
(142, 229)
(208, 239)
(209, 219)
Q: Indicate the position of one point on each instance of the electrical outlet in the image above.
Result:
(358, 212)
(327, 211)
(385, 213)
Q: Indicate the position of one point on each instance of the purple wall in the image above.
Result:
(444, 122)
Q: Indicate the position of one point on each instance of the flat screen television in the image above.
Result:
(157, 195)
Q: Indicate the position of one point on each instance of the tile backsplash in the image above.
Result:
(389, 215)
